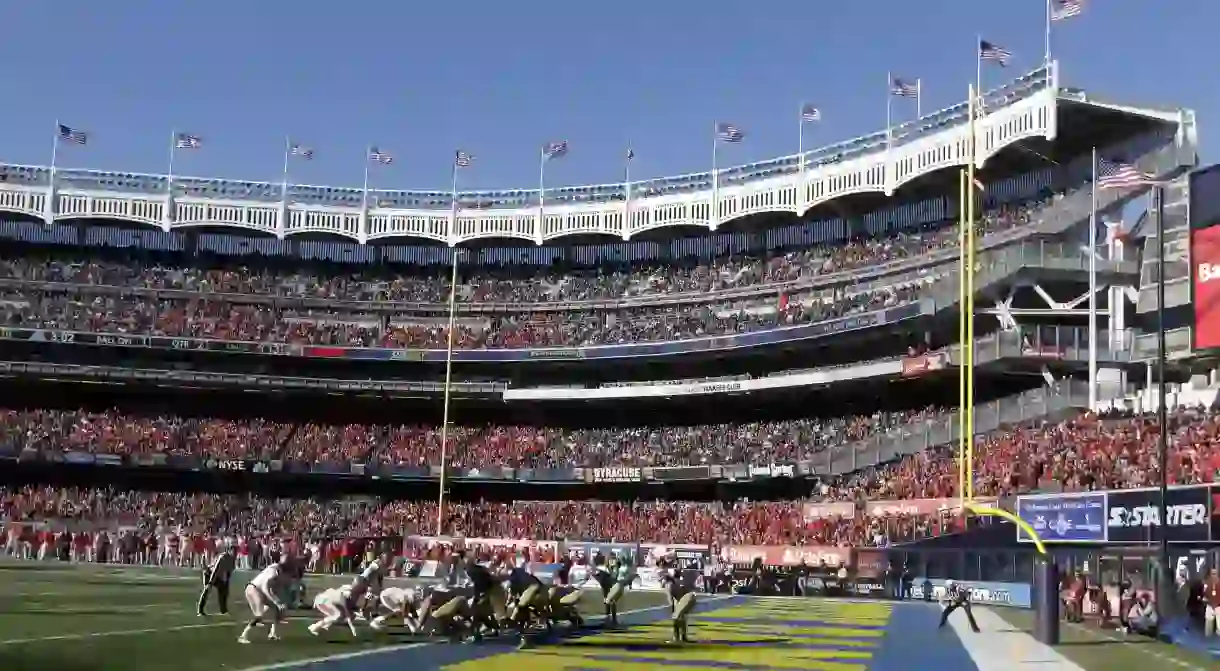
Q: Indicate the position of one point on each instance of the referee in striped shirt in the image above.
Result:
(957, 596)
(217, 576)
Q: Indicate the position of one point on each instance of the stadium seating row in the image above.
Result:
(508, 284)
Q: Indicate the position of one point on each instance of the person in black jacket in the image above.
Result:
(217, 577)
(957, 596)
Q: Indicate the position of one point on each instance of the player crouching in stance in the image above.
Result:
(261, 596)
(333, 604)
(398, 602)
(681, 603)
(530, 599)
(564, 597)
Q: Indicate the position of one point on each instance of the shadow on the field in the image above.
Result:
(73, 612)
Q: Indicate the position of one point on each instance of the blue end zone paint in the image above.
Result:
(913, 643)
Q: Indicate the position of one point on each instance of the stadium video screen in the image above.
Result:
(1205, 256)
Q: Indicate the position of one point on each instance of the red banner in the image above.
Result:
(919, 365)
(918, 507)
(1205, 285)
(819, 511)
(785, 555)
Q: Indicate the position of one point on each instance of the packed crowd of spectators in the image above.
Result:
(220, 320)
(1086, 452)
(507, 284)
(306, 520)
(406, 445)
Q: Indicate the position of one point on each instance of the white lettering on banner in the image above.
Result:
(622, 474)
(772, 471)
(1182, 515)
(1208, 272)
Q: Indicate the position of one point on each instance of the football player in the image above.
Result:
(398, 602)
(681, 602)
(367, 585)
(262, 595)
(333, 604)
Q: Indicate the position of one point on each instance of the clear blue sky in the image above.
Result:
(498, 79)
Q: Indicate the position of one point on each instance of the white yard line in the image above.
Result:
(107, 634)
(408, 646)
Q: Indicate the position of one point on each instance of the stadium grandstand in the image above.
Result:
(761, 362)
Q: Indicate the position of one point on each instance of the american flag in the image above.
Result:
(1116, 175)
(461, 159)
(302, 151)
(990, 51)
(904, 89)
(187, 141)
(630, 154)
(810, 113)
(555, 149)
(69, 134)
(378, 156)
(1066, 9)
(727, 132)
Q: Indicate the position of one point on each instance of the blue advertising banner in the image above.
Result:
(1014, 594)
(1064, 518)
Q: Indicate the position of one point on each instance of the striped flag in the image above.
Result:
(187, 141)
(902, 88)
(811, 113)
(630, 154)
(727, 132)
(461, 159)
(556, 149)
(381, 157)
(990, 51)
(304, 152)
(70, 134)
(1116, 175)
(1065, 9)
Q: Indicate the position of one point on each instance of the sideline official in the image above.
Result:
(217, 576)
(958, 596)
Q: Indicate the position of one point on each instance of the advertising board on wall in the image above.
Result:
(1064, 518)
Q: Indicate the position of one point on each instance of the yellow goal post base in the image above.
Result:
(990, 511)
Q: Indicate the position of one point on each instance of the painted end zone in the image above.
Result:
(740, 633)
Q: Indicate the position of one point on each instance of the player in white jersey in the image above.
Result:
(399, 602)
(263, 597)
(368, 584)
(333, 604)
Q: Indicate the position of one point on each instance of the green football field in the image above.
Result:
(75, 618)
(56, 617)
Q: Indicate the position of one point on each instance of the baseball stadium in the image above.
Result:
(941, 397)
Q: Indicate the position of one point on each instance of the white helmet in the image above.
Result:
(950, 582)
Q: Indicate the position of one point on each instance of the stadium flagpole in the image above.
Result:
(173, 149)
(1050, 17)
(712, 215)
(1167, 594)
(364, 194)
(962, 224)
(541, 190)
(440, 499)
(55, 147)
(889, 109)
(919, 98)
(287, 154)
(968, 346)
(1093, 292)
(800, 142)
(627, 189)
